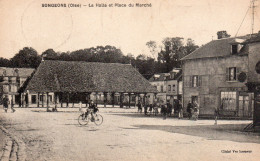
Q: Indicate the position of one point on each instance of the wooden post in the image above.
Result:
(42, 99)
(38, 99)
(55, 101)
(47, 95)
(144, 99)
(105, 99)
(113, 99)
(129, 101)
(68, 99)
(135, 99)
(121, 99)
(96, 98)
(61, 100)
(22, 100)
(12, 101)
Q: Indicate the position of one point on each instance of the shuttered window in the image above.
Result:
(195, 81)
(232, 73)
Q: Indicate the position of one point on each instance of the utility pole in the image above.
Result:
(253, 16)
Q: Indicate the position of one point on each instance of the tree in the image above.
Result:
(26, 58)
(152, 47)
(4, 62)
(50, 54)
(189, 47)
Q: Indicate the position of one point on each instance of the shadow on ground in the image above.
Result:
(231, 132)
(140, 115)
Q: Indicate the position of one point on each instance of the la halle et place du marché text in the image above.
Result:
(120, 5)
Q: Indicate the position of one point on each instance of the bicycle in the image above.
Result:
(85, 117)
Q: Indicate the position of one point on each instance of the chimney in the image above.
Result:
(222, 34)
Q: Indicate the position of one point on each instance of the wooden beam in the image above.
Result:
(105, 99)
(38, 99)
(129, 101)
(42, 99)
(96, 98)
(47, 95)
(113, 99)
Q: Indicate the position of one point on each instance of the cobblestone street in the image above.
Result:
(126, 135)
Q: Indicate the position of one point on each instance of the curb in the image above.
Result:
(14, 146)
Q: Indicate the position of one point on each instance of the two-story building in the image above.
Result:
(160, 82)
(174, 86)
(215, 75)
(11, 79)
(168, 85)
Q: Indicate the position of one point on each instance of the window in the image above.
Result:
(169, 88)
(195, 81)
(5, 88)
(234, 49)
(50, 98)
(18, 80)
(173, 87)
(161, 88)
(228, 100)
(232, 73)
(16, 72)
(10, 79)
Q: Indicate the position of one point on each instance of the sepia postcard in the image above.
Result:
(124, 80)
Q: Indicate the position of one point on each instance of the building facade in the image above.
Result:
(168, 85)
(11, 79)
(160, 82)
(174, 86)
(215, 76)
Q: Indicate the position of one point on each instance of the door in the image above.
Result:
(194, 98)
(245, 109)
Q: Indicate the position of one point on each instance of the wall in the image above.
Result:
(254, 57)
(213, 80)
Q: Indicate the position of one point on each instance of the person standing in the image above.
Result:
(6, 102)
(180, 111)
(12, 105)
(164, 111)
(169, 108)
(196, 110)
(139, 105)
(156, 105)
(189, 109)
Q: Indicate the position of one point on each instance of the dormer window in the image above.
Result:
(236, 45)
(234, 49)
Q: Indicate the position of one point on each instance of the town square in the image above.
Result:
(124, 80)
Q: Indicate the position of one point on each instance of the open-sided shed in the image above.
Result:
(67, 77)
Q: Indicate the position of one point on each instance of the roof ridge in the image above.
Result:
(83, 62)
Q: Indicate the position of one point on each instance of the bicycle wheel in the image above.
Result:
(83, 120)
(98, 119)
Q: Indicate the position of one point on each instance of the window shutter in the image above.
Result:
(199, 80)
(238, 70)
(190, 85)
(227, 74)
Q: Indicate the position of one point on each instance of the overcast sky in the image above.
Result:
(27, 23)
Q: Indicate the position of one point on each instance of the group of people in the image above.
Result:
(166, 109)
(193, 110)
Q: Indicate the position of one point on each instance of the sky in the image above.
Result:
(26, 23)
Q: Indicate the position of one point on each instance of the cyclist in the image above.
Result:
(91, 109)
